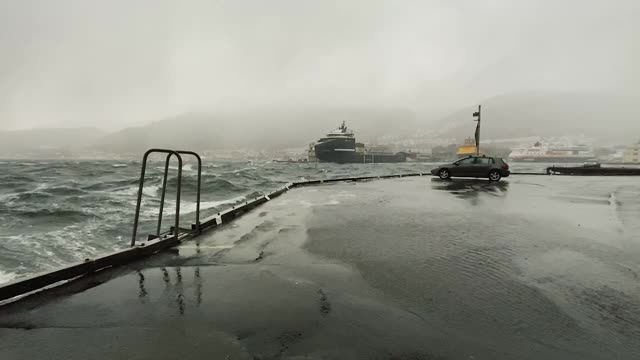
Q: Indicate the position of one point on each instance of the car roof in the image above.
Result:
(479, 157)
(495, 159)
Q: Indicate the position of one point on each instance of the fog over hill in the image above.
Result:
(266, 129)
(607, 118)
(602, 116)
(54, 138)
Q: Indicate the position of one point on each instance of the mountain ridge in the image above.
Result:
(604, 116)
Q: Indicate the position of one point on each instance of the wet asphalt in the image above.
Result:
(532, 267)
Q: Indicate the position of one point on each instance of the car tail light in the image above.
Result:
(505, 166)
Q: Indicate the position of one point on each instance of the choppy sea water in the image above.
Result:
(53, 213)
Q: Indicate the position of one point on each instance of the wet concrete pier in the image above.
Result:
(414, 268)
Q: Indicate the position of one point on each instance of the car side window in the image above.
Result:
(467, 161)
(484, 161)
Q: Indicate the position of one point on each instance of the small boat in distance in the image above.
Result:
(468, 149)
(340, 146)
(593, 169)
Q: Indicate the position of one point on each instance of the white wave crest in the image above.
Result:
(191, 207)
(244, 169)
(5, 277)
(185, 167)
(151, 190)
(119, 165)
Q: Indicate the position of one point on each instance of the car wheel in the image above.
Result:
(494, 175)
(444, 174)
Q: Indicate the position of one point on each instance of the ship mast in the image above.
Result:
(477, 134)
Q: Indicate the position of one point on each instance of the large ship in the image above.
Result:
(553, 154)
(340, 146)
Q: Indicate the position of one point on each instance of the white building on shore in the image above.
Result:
(632, 153)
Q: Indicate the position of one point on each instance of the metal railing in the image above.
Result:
(164, 188)
(176, 227)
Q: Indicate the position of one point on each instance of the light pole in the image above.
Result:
(477, 135)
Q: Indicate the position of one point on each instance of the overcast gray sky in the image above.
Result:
(115, 63)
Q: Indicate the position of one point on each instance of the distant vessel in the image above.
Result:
(553, 154)
(340, 146)
(593, 169)
(468, 148)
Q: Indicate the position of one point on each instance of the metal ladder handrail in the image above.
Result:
(164, 188)
(141, 186)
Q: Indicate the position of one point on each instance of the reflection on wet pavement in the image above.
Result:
(471, 189)
(172, 289)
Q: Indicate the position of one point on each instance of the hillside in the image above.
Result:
(17, 141)
(270, 129)
(601, 116)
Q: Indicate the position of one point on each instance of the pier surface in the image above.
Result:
(414, 268)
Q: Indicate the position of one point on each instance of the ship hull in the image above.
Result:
(340, 157)
(593, 171)
(343, 151)
(558, 159)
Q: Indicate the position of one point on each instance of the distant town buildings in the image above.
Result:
(632, 153)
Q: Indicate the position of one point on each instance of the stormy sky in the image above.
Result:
(117, 63)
